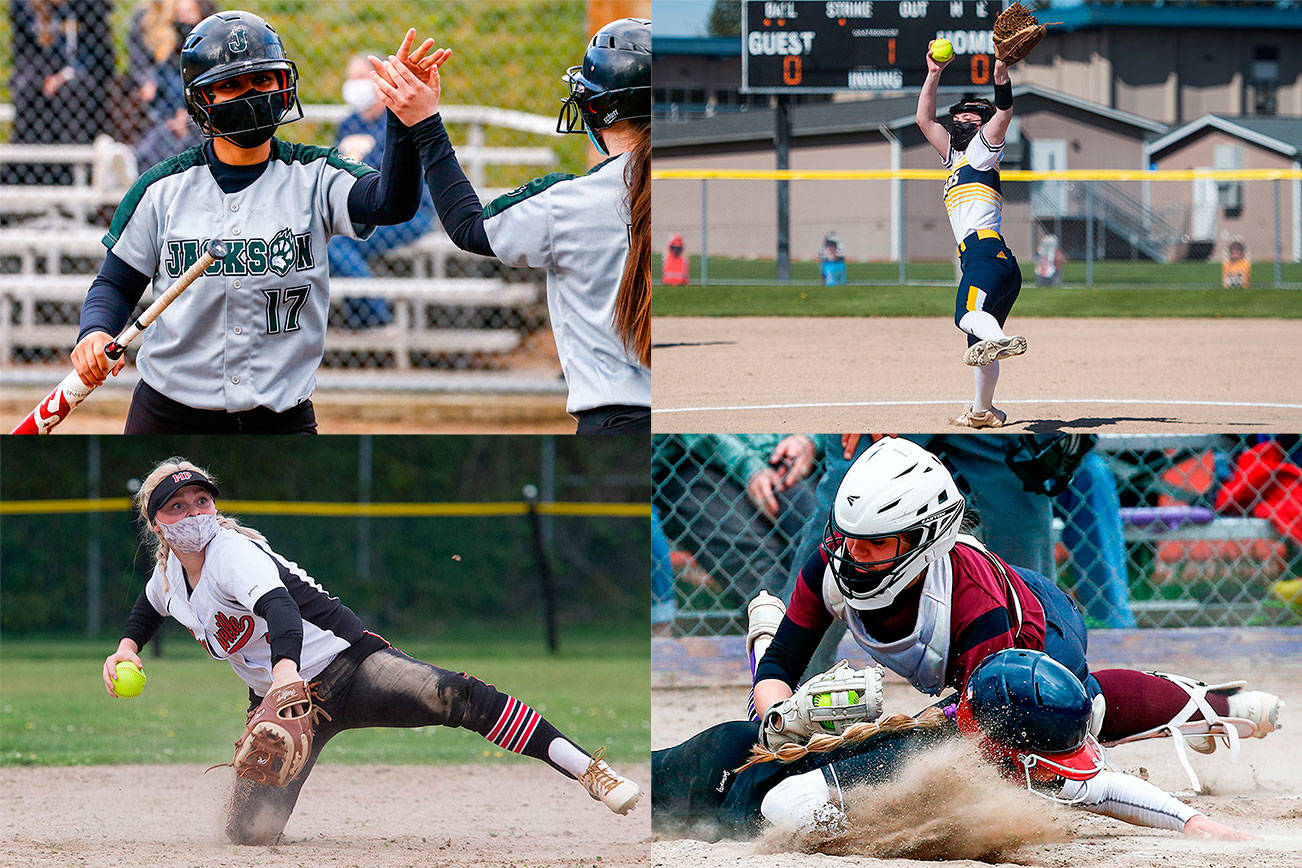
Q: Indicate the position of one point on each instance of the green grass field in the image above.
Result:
(54, 710)
(1122, 289)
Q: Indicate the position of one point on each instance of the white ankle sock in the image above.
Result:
(986, 377)
(981, 324)
(567, 756)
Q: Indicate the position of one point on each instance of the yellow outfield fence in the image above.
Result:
(326, 509)
(1175, 228)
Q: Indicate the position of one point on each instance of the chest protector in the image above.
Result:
(921, 656)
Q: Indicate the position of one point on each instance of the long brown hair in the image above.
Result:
(633, 304)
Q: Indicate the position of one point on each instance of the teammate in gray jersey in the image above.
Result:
(592, 233)
(275, 626)
(238, 352)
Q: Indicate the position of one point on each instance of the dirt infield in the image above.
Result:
(386, 817)
(344, 413)
(906, 374)
(1262, 795)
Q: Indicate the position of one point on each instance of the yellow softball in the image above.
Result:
(941, 50)
(130, 680)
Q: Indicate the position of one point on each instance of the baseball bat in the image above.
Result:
(65, 397)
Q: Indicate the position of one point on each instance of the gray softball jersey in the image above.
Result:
(251, 331)
(577, 228)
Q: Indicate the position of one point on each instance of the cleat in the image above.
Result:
(983, 353)
(992, 418)
(763, 615)
(608, 786)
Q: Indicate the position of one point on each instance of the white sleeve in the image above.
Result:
(981, 155)
(1125, 797)
(336, 183)
(137, 242)
(245, 572)
(154, 591)
(519, 227)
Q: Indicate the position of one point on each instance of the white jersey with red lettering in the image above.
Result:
(218, 611)
(973, 198)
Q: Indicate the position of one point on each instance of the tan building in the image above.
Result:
(889, 220)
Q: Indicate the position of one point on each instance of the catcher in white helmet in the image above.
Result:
(931, 603)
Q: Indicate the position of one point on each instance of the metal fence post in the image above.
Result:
(94, 558)
(1279, 250)
(364, 478)
(705, 231)
(1089, 233)
(903, 228)
(783, 136)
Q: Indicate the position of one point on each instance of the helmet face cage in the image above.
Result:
(613, 83)
(863, 580)
(200, 100)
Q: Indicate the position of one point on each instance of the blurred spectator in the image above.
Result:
(361, 138)
(172, 136)
(62, 62)
(1236, 270)
(736, 502)
(1048, 262)
(676, 270)
(832, 257)
(1094, 538)
(663, 605)
(158, 30)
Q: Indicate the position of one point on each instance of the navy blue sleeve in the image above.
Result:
(113, 294)
(455, 200)
(284, 624)
(393, 195)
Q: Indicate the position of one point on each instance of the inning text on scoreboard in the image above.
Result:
(830, 46)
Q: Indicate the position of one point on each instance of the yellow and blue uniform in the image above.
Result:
(974, 202)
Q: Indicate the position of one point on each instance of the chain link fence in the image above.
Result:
(91, 96)
(1153, 531)
(1185, 231)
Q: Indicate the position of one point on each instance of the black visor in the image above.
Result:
(174, 482)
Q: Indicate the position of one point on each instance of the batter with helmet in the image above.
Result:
(592, 232)
(238, 352)
(971, 148)
(312, 669)
(1028, 714)
(931, 603)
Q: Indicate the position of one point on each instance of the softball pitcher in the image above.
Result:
(931, 603)
(279, 629)
(238, 352)
(1027, 713)
(592, 233)
(972, 148)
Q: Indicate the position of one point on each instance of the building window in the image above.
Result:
(1263, 75)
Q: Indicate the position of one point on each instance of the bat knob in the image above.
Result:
(113, 351)
(217, 249)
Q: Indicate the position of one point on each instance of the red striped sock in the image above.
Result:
(520, 729)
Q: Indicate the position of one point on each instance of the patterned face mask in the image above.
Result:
(191, 533)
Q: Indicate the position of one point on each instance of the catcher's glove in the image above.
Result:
(1017, 32)
(828, 703)
(277, 739)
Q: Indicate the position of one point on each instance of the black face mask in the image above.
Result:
(961, 134)
(251, 115)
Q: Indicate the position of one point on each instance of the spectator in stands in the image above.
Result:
(677, 269)
(1048, 262)
(172, 136)
(361, 138)
(832, 258)
(62, 60)
(663, 604)
(158, 30)
(736, 502)
(1236, 270)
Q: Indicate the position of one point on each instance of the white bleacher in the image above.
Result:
(54, 233)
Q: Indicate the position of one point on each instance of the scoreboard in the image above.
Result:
(832, 46)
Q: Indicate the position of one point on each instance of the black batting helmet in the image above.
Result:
(223, 46)
(614, 82)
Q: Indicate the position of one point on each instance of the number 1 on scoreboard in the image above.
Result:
(890, 50)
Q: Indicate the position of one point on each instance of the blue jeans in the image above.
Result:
(1091, 513)
(663, 605)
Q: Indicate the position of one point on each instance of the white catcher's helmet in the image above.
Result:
(894, 487)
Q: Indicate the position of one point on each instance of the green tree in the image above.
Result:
(725, 18)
